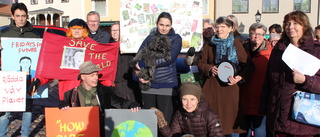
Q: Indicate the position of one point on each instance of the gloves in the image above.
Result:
(134, 105)
(161, 121)
(191, 51)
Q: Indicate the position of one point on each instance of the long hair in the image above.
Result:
(69, 32)
(28, 58)
(301, 18)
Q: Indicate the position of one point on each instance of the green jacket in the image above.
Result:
(24, 32)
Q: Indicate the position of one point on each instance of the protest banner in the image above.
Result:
(138, 19)
(21, 54)
(123, 122)
(12, 91)
(60, 57)
(75, 122)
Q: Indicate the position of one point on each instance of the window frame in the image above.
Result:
(65, 21)
(106, 9)
(270, 11)
(49, 1)
(301, 5)
(247, 7)
(205, 8)
(34, 2)
(64, 1)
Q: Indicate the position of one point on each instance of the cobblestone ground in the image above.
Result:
(38, 127)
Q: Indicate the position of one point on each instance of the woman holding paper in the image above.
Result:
(281, 82)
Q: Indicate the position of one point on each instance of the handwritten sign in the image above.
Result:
(75, 122)
(12, 91)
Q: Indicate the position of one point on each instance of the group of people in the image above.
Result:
(256, 100)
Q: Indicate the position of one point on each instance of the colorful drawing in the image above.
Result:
(125, 15)
(138, 6)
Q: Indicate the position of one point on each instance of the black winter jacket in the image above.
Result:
(101, 36)
(22, 32)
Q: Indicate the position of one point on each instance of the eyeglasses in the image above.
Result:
(256, 34)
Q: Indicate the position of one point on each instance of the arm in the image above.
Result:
(205, 57)
(174, 127)
(175, 50)
(119, 102)
(214, 125)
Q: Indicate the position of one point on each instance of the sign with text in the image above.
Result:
(139, 17)
(12, 91)
(75, 122)
(123, 123)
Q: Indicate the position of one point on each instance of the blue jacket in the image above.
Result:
(165, 75)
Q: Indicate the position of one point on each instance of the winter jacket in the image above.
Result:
(165, 75)
(24, 32)
(278, 89)
(203, 122)
(101, 36)
(250, 91)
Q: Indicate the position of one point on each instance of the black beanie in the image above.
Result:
(189, 88)
(78, 22)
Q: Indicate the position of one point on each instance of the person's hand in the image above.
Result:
(214, 70)
(134, 106)
(144, 81)
(298, 77)
(191, 51)
(160, 117)
(234, 80)
(65, 108)
(34, 85)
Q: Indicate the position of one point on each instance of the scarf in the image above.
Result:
(89, 95)
(225, 48)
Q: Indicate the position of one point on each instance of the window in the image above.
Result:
(49, 1)
(239, 6)
(101, 7)
(270, 6)
(34, 2)
(65, 21)
(303, 5)
(205, 7)
(64, 1)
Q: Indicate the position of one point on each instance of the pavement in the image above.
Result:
(38, 126)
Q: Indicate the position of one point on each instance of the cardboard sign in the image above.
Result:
(75, 122)
(123, 123)
(12, 91)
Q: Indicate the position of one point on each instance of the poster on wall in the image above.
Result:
(21, 54)
(12, 91)
(138, 18)
(123, 123)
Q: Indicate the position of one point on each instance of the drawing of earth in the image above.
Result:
(131, 128)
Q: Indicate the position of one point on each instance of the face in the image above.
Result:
(223, 31)
(257, 36)
(25, 64)
(90, 80)
(189, 103)
(164, 25)
(293, 30)
(78, 59)
(115, 32)
(274, 40)
(77, 32)
(207, 25)
(317, 34)
(20, 17)
(273, 31)
(93, 22)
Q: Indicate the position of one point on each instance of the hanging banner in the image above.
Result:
(124, 123)
(138, 19)
(60, 57)
(75, 122)
(12, 91)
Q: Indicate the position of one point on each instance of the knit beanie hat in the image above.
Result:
(189, 88)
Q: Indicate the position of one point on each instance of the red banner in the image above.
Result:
(60, 57)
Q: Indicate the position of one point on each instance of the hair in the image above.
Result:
(207, 21)
(301, 18)
(25, 57)
(164, 15)
(255, 26)
(69, 31)
(20, 6)
(93, 13)
(277, 27)
(318, 27)
(224, 20)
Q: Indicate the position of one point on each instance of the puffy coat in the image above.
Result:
(165, 75)
(203, 122)
(278, 89)
(24, 32)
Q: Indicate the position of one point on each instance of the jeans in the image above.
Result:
(232, 135)
(26, 123)
(257, 124)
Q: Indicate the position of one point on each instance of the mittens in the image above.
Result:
(191, 51)
(161, 121)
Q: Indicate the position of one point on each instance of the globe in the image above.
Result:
(131, 128)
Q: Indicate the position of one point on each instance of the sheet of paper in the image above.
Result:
(300, 60)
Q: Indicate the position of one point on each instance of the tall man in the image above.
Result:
(95, 32)
(21, 28)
